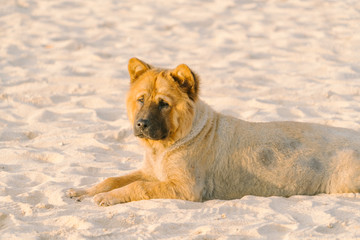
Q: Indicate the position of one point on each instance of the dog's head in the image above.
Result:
(161, 102)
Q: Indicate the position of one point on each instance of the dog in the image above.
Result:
(194, 153)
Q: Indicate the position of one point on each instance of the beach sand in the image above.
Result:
(63, 122)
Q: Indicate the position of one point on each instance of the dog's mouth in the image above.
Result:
(146, 136)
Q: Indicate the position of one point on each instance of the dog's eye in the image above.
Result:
(163, 104)
(141, 99)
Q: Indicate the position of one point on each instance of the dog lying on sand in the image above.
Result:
(196, 154)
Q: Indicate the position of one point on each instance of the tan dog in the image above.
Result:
(195, 153)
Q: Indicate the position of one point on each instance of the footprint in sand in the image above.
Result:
(274, 231)
(15, 135)
(45, 116)
(56, 99)
(109, 114)
(330, 228)
(46, 157)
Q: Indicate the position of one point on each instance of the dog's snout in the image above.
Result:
(142, 124)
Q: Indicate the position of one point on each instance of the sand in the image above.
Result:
(63, 123)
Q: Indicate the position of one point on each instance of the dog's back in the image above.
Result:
(277, 158)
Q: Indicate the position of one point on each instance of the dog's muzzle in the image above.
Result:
(143, 128)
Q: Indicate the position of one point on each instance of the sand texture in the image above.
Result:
(63, 122)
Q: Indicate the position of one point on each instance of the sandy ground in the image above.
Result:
(63, 123)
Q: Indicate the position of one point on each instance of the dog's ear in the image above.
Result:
(187, 80)
(137, 67)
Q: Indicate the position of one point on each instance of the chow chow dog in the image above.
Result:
(194, 153)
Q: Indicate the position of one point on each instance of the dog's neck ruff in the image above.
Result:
(203, 113)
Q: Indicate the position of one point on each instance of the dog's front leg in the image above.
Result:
(106, 185)
(141, 190)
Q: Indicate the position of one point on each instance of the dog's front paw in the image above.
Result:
(105, 199)
(78, 194)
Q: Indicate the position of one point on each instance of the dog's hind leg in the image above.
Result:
(345, 174)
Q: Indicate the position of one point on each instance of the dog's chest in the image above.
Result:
(158, 168)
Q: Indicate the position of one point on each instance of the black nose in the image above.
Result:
(142, 124)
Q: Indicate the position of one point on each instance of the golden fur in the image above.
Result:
(198, 154)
